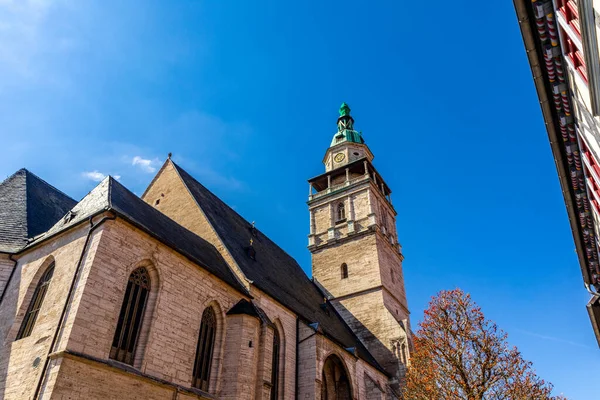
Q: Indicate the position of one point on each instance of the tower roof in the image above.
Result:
(346, 132)
(28, 207)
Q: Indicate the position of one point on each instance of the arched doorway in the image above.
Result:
(335, 384)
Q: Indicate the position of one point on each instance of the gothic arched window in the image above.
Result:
(131, 316)
(36, 303)
(204, 350)
(335, 383)
(275, 366)
(344, 271)
(341, 212)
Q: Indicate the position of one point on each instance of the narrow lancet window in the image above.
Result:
(341, 212)
(131, 317)
(344, 271)
(36, 303)
(275, 366)
(204, 350)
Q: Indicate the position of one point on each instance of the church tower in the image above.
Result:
(356, 256)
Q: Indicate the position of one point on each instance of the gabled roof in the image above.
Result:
(110, 195)
(28, 207)
(271, 269)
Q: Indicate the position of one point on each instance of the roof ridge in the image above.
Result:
(238, 214)
(13, 175)
(111, 181)
(28, 174)
(207, 189)
(243, 279)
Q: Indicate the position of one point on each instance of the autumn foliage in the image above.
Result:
(458, 354)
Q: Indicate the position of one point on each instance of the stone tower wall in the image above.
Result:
(372, 299)
(360, 256)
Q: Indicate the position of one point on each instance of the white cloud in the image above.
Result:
(145, 164)
(117, 177)
(93, 175)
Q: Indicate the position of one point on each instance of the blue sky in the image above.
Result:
(245, 94)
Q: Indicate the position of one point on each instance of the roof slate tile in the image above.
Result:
(28, 207)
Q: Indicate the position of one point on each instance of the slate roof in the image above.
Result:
(272, 270)
(111, 195)
(250, 308)
(28, 207)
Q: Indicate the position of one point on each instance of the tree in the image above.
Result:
(459, 354)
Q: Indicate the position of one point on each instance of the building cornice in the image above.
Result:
(539, 29)
(555, 119)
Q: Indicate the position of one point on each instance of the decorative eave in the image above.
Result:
(540, 35)
(319, 181)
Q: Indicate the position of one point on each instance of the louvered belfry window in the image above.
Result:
(131, 317)
(36, 303)
(204, 350)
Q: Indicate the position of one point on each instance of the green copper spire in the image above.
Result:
(346, 132)
(344, 110)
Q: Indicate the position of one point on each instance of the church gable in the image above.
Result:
(168, 193)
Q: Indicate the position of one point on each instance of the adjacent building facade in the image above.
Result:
(561, 40)
(176, 296)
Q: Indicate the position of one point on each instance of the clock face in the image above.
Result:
(339, 157)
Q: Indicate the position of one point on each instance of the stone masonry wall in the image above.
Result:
(362, 260)
(356, 368)
(392, 275)
(285, 323)
(314, 350)
(307, 363)
(172, 322)
(357, 201)
(241, 358)
(180, 292)
(82, 379)
(376, 325)
(18, 376)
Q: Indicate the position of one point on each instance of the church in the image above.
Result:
(174, 295)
